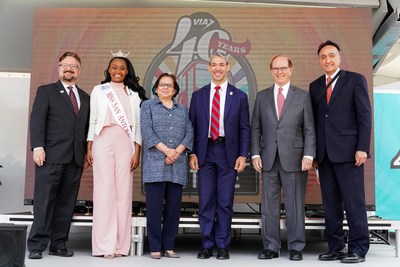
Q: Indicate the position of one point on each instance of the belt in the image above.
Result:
(219, 140)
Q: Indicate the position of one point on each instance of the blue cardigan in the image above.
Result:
(171, 127)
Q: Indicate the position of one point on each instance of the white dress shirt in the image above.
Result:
(285, 90)
(222, 97)
(333, 75)
(75, 92)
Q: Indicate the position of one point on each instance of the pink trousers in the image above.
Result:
(112, 192)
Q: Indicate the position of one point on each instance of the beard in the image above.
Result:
(69, 78)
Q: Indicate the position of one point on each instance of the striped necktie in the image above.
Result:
(73, 100)
(214, 130)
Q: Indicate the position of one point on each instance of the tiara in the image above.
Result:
(119, 54)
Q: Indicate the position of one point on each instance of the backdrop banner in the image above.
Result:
(181, 40)
(387, 151)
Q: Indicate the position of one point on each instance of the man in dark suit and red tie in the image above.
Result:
(220, 116)
(58, 130)
(342, 113)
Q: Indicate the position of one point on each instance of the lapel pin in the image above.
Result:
(61, 91)
(231, 93)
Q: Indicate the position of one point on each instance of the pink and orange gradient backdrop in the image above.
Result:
(295, 32)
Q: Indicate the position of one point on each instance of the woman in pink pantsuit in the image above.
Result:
(114, 143)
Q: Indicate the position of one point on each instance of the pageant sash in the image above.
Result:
(118, 111)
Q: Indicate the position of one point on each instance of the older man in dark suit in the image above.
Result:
(283, 149)
(220, 116)
(342, 113)
(58, 130)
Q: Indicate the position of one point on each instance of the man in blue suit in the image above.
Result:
(342, 113)
(221, 146)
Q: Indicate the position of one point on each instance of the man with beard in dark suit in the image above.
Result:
(58, 130)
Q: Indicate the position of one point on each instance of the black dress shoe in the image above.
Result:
(204, 253)
(35, 255)
(333, 255)
(222, 254)
(295, 255)
(268, 254)
(352, 258)
(61, 252)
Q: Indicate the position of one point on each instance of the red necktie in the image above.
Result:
(214, 130)
(73, 100)
(329, 90)
(281, 101)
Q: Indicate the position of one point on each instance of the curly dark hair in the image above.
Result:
(131, 80)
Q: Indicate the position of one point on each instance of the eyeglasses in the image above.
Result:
(282, 69)
(163, 85)
(71, 66)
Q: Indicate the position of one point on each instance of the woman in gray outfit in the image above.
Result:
(167, 134)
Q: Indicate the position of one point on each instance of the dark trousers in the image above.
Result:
(56, 189)
(163, 209)
(342, 188)
(216, 185)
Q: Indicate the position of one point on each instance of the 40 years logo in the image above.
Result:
(196, 38)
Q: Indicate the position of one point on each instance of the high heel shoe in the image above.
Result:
(155, 255)
(171, 254)
(109, 256)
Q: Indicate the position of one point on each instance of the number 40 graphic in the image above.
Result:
(395, 163)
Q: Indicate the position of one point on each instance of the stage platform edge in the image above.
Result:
(238, 222)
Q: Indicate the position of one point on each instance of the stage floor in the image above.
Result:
(243, 252)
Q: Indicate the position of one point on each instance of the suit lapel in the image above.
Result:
(230, 94)
(64, 95)
(338, 87)
(83, 107)
(270, 97)
(206, 101)
(321, 100)
(289, 98)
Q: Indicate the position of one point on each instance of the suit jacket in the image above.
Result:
(236, 123)
(54, 125)
(343, 126)
(292, 137)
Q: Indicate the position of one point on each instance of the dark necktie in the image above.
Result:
(329, 90)
(214, 130)
(73, 100)
(281, 101)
